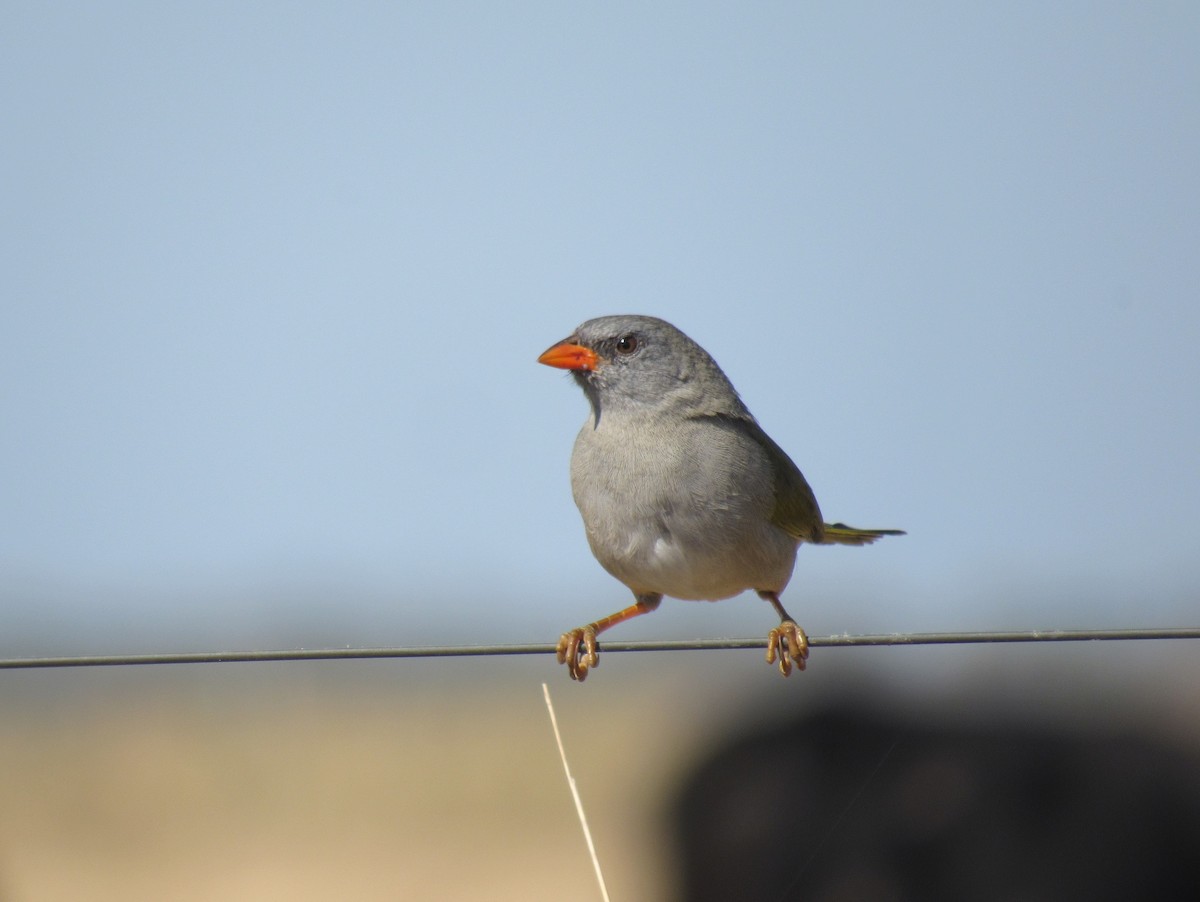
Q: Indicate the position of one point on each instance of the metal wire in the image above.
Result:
(464, 651)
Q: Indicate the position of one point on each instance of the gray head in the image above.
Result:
(643, 364)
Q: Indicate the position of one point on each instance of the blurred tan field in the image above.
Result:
(430, 779)
(351, 781)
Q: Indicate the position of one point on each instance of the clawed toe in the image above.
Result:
(577, 649)
(786, 644)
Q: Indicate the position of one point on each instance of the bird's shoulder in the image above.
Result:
(795, 509)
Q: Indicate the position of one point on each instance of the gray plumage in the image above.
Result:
(674, 478)
(681, 491)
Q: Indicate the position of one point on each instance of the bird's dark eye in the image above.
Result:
(627, 344)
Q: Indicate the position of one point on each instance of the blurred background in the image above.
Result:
(273, 283)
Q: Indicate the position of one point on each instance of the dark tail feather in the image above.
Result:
(841, 534)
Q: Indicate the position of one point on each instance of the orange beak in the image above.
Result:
(567, 356)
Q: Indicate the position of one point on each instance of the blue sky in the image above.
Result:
(275, 278)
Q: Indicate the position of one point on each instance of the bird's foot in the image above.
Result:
(786, 644)
(577, 649)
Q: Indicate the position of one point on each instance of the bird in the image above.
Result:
(681, 492)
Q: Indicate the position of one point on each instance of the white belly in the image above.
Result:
(653, 560)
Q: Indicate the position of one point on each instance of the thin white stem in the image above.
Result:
(587, 834)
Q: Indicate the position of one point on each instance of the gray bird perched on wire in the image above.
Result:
(682, 493)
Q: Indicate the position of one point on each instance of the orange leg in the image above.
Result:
(577, 648)
(786, 642)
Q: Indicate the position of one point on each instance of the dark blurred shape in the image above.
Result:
(852, 806)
